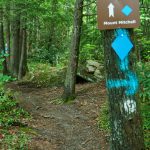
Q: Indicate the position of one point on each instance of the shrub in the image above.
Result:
(10, 115)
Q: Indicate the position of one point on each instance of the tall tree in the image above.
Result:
(122, 84)
(2, 43)
(15, 51)
(69, 88)
(53, 23)
(23, 51)
(7, 33)
(18, 53)
(52, 30)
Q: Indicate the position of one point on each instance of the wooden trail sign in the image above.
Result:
(114, 14)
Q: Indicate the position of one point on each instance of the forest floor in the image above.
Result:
(72, 126)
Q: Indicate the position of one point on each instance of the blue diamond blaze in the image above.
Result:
(127, 10)
(122, 46)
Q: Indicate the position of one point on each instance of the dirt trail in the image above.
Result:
(64, 126)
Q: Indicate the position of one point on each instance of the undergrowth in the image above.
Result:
(144, 79)
(103, 121)
(10, 112)
(44, 75)
(11, 118)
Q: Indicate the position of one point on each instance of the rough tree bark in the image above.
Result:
(52, 29)
(69, 88)
(52, 26)
(15, 51)
(2, 43)
(7, 33)
(23, 57)
(125, 120)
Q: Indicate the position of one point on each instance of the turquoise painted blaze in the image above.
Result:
(122, 45)
(130, 82)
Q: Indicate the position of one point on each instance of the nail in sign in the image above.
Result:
(114, 14)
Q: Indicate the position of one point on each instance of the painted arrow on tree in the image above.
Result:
(111, 10)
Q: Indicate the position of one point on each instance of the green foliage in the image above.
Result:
(14, 140)
(143, 44)
(3, 78)
(142, 33)
(54, 31)
(43, 75)
(90, 52)
(103, 120)
(10, 115)
(91, 38)
(146, 126)
(146, 117)
(144, 79)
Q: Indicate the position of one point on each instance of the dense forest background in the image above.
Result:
(43, 29)
(36, 41)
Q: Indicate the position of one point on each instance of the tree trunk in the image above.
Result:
(69, 88)
(7, 46)
(21, 36)
(52, 30)
(7, 33)
(15, 51)
(122, 84)
(23, 58)
(23, 47)
(2, 43)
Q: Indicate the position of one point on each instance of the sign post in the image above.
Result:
(116, 17)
